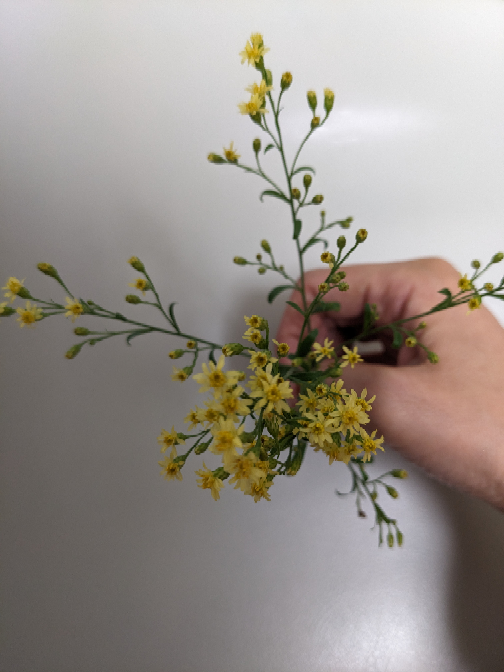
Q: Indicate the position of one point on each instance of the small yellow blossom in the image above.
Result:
(254, 321)
(226, 437)
(207, 480)
(254, 50)
(193, 418)
(322, 351)
(230, 154)
(170, 469)
(260, 89)
(272, 394)
(488, 287)
(254, 105)
(410, 342)
(74, 308)
(253, 335)
(140, 284)
(214, 377)
(465, 284)
(168, 439)
(282, 348)
(191, 345)
(2, 306)
(179, 374)
(12, 286)
(260, 490)
(232, 405)
(474, 303)
(352, 415)
(351, 357)
(29, 314)
(369, 444)
(258, 360)
(244, 470)
(320, 428)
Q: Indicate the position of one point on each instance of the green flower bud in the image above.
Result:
(256, 145)
(258, 257)
(261, 270)
(240, 261)
(475, 263)
(48, 269)
(497, 257)
(361, 235)
(266, 246)
(433, 358)
(201, 447)
(231, 349)
(328, 100)
(399, 473)
(400, 538)
(24, 293)
(392, 492)
(315, 122)
(334, 372)
(286, 81)
(317, 200)
(269, 78)
(81, 331)
(5, 311)
(307, 180)
(176, 354)
(132, 298)
(136, 264)
(341, 242)
(390, 540)
(188, 370)
(312, 100)
(346, 224)
(295, 193)
(256, 118)
(74, 351)
(215, 158)
(343, 286)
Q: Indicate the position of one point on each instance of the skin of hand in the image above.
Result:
(448, 417)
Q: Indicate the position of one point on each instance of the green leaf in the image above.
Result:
(296, 307)
(276, 291)
(172, 315)
(303, 168)
(133, 335)
(446, 292)
(314, 241)
(270, 146)
(326, 306)
(297, 228)
(398, 338)
(211, 357)
(275, 194)
(306, 344)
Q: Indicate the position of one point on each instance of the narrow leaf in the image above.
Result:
(314, 241)
(276, 291)
(211, 357)
(270, 146)
(296, 307)
(303, 168)
(297, 228)
(446, 292)
(398, 338)
(306, 344)
(275, 194)
(172, 315)
(326, 306)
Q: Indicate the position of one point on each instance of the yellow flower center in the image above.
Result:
(230, 404)
(216, 379)
(349, 416)
(224, 440)
(274, 394)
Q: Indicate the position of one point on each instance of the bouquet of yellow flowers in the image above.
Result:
(260, 416)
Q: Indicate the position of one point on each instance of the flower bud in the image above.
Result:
(295, 193)
(346, 223)
(176, 354)
(240, 261)
(323, 288)
(307, 180)
(231, 349)
(312, 100)
(341, 242)
(5, 311)
(215, 158)
(24, 293)
(410, 342)
(392, 492)
(422, 325)
(475, 263)
(48, 269)
(317, 200)
(328, 100)
(269, 78)
(286, 81)
(361, 235)
(400, 538)
(259, 257)
(256, 118)
(81, 331)
(390, 540)
(256, 145)
(261, 270)
(497, 257)
(488, 287)
(343, 286)
(191, 344)
(334, 372)
(266, 246)
(74, 351)
(137, 264)
(315, 122)
(132, 298)
(327, 258)
(433, 358)
(399, 473)
(201, 447)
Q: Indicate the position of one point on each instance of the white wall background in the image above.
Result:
(108, 111)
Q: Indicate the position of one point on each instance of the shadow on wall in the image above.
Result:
(476, 594)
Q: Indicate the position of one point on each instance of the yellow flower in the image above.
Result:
(232, 405)
(193, 418)
(29, 314)
(179, 374)
(260, 89)
(272, 394)
(230, 154)
(488, 287)
(74, 308)
(226, 437)
(2, 306)
(254, 50)
(191, 344)
(254, 105)
(474, 303)
(254, 321)
(361, 401)
(351, 357)
(141, 284)
(207, 480)
(282, 348)
(352, 415)
(170, 468)
(258, 360)
(464, 283)
(308, 402)
(244, 470)
(13, 286)
(369, 444)
(214, 377)
(322, 351)
(320, 428)
(168, 439)
(253, 335)
(260, 490)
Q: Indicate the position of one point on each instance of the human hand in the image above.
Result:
(447, 417)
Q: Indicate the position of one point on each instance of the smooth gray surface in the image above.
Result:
(109, 110)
